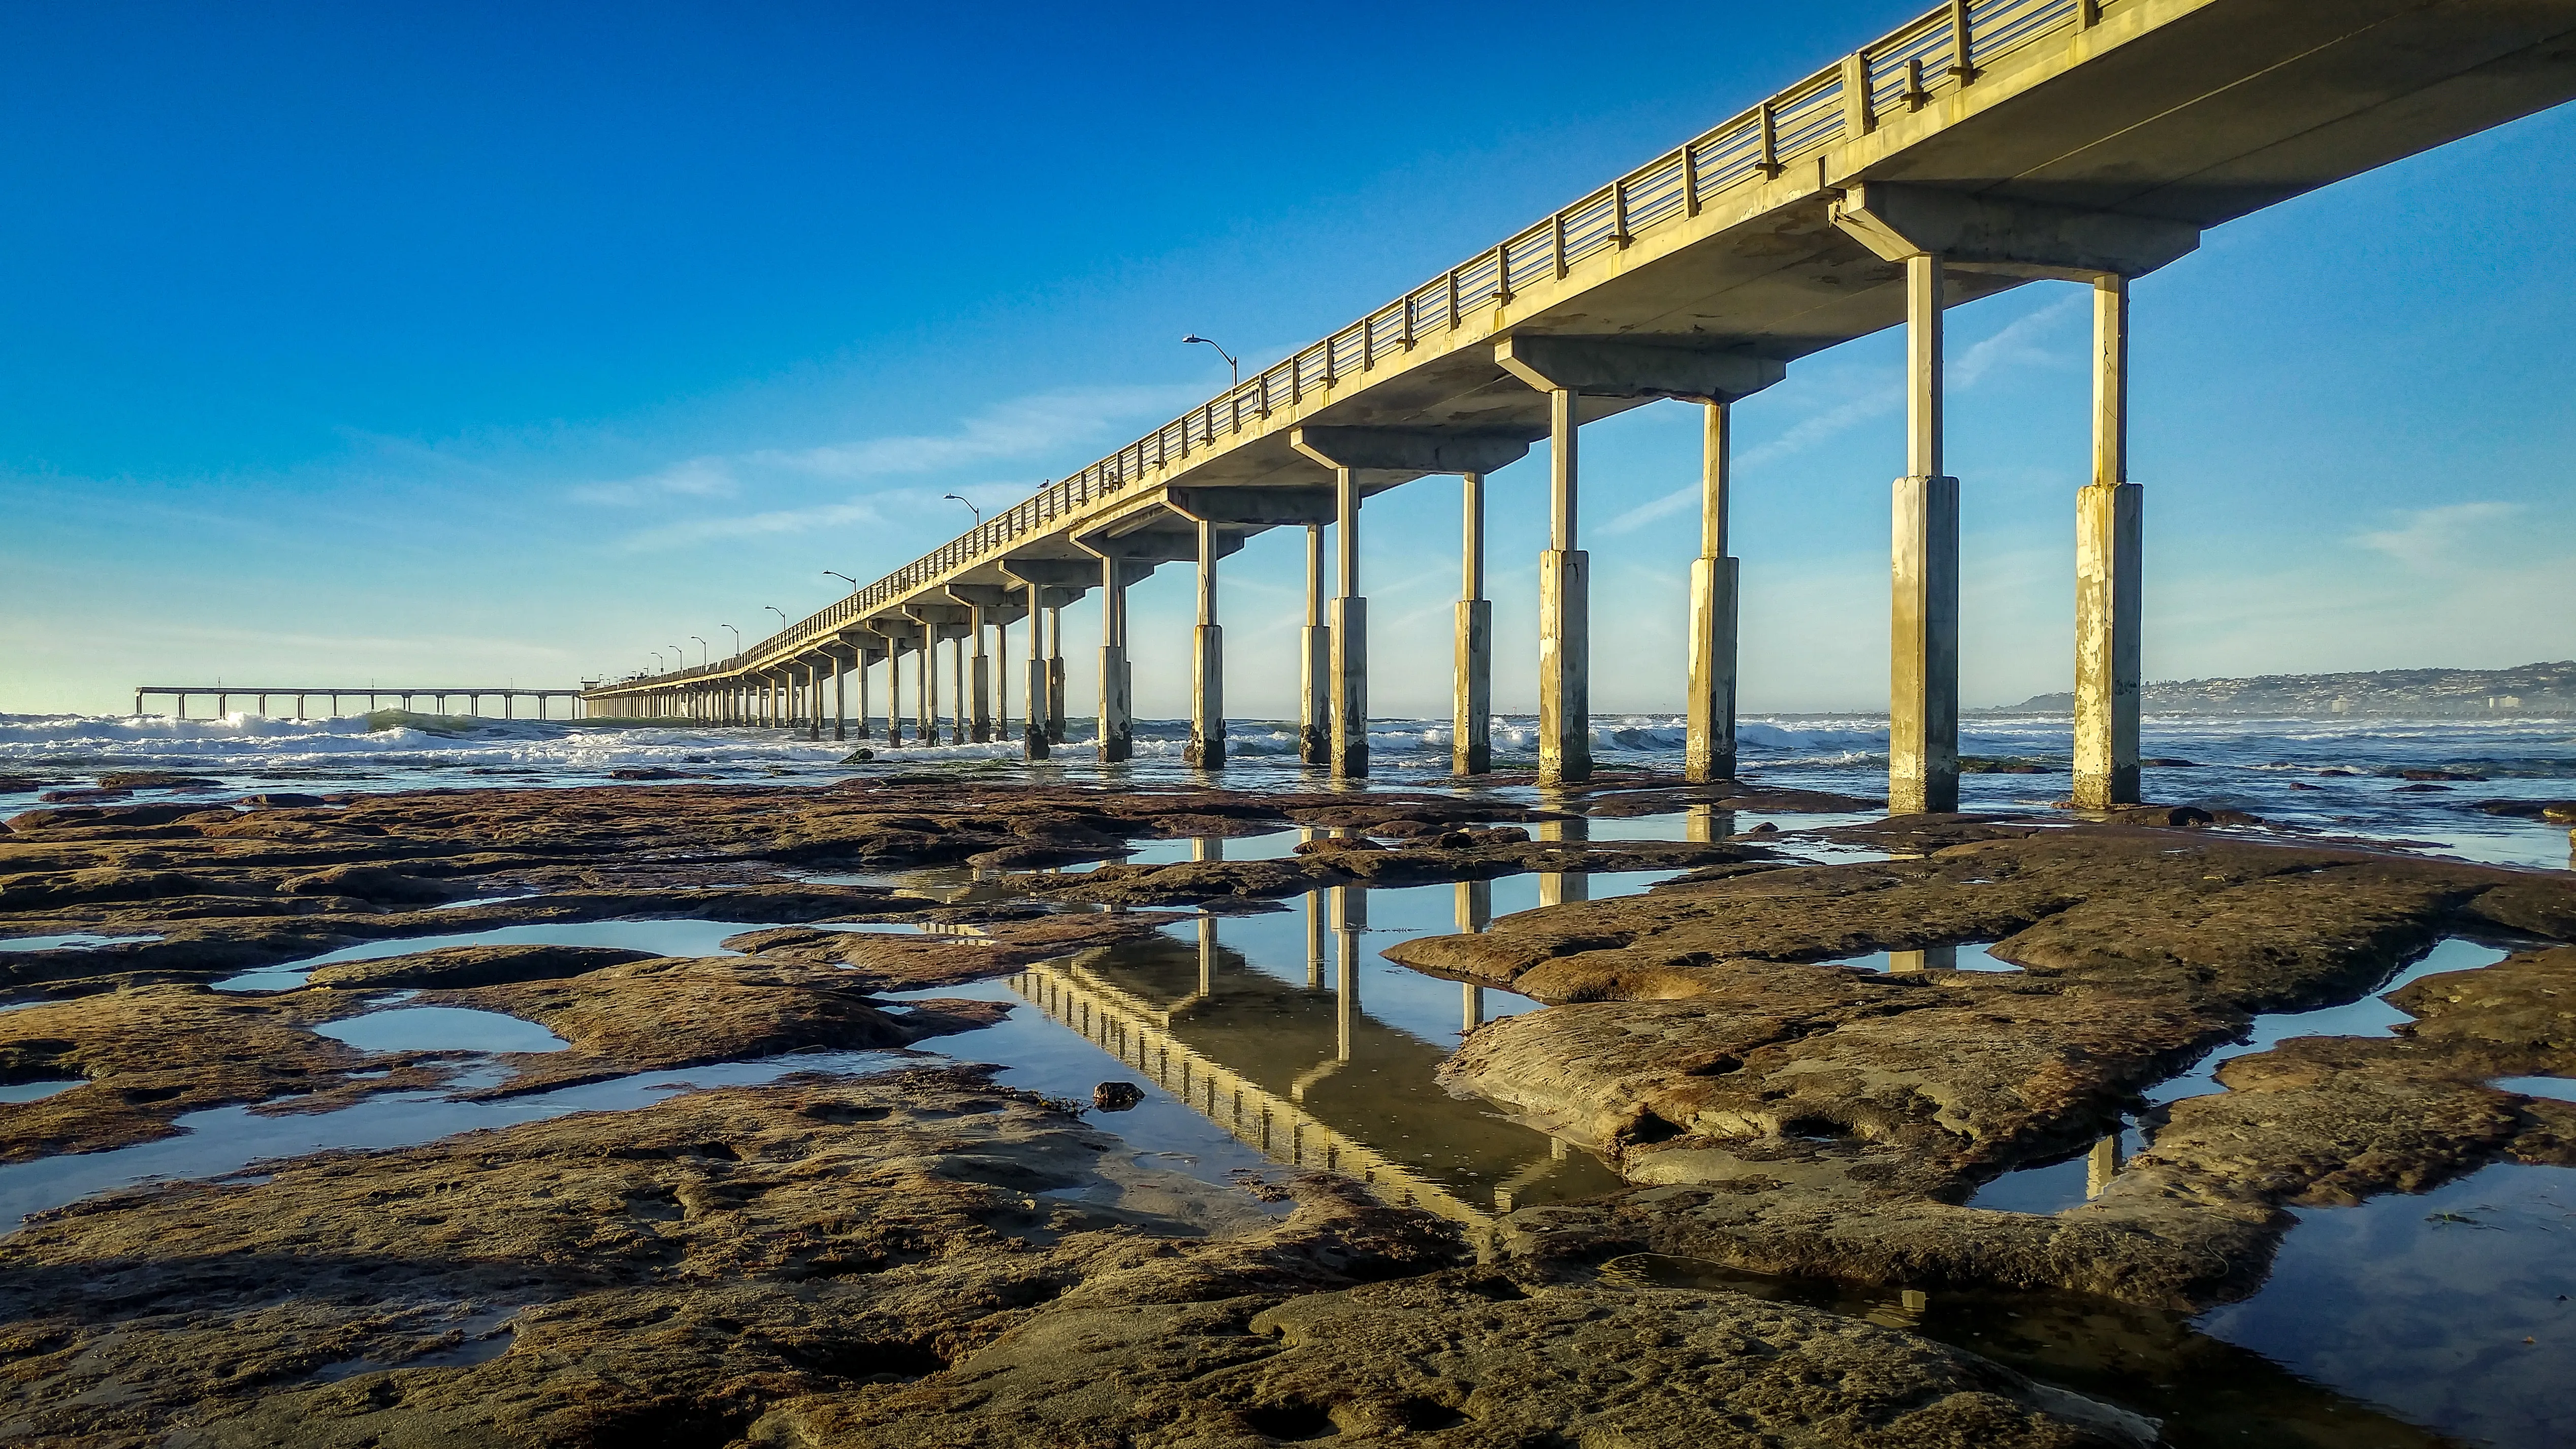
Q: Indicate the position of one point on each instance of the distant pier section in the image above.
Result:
(224, 694)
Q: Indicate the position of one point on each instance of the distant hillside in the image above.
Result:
(2528, 689)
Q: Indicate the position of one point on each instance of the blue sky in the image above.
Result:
(491, 344)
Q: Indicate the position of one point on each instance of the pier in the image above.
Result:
(1988, 145)
(440, 696)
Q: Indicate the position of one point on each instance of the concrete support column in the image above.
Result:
(1471, 749)
(1315, 663)
(1035, 742)
(957, 723)
(926, 721)
(1055, 711)
(841, 704)
(977, 695)
(1350, 636)
(859, 661)
(2108, 519)
(814, 699)
(1117, 717)
(1207, 658)
(1709, 746)
(894, 692)
(1002, 679)
(1923, 675)
(1564, 615)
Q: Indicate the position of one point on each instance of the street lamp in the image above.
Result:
(737, 638)
(1230, 363)
(971, 508)
(682, 654)
(844, 578)
(783, 620)
(702, 650)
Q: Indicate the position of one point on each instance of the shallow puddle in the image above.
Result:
(37, 1091)
(2557, 1088)
(2053, 1187)
(1287, 1038)
(2457, 1307)
(2370, 1016)
(665, 938)
(1966, 956)
(441, 1029)
(70, 941)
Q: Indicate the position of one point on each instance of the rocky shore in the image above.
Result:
(925, 1257)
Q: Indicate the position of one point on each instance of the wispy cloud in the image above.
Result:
(1075, 419)
(2429, 537)
(2016, 342)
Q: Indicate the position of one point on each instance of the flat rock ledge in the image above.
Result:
(1783, 1113)
(913, 1260)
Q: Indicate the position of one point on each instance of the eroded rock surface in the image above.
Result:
(1799, 1116)
(915, 1260)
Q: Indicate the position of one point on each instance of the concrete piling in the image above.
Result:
(1315, 663)
(1472, 709)
(1709, 745)
(1564, 615)
(1117, 716)
(2108, 526)
(1207, 675)
(1923, 675)
(1349, 637)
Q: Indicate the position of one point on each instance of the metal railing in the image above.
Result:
(1902, 71)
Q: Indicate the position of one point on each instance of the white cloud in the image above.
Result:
(754, 525)
(2430, 537)
(2016, 342)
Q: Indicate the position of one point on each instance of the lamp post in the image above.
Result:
(844, 578)
(971, 508)
(702, 650)
(1235, 367)
(737, 637)
(783, 620)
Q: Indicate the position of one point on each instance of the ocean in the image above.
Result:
(2336, 777)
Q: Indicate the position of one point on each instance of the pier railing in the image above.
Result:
(1904, 70)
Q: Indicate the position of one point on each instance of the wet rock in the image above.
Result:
(2004, 765)
(1819, 1120)
(858, 757)
(1116, 1096)
(152, 780)
(76, 816)
(2460, 775)
(2168, 762)
(366, 883)
(608, 1279)
(648, 772)
(83, 795)
(2160, 815)
(282, 800)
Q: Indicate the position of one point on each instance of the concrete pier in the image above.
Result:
(1055, 676)
(977, 696)
(1564, 614)
(1350, 751)
(1923, 624)
(2107, 587)
(1041, 727)
(1315, 663)
(1472, 710)
(1207, 658)
(2085, 143)
(1709, 745)
(1117, 702)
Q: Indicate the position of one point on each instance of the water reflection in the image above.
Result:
(1308, 1066)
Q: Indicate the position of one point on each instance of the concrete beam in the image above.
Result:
(1071, 576)
(1266, 507)
(1710, 370)
(2015, 238)
(1410, 450)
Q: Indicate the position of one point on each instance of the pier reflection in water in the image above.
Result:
(1293, 1034)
